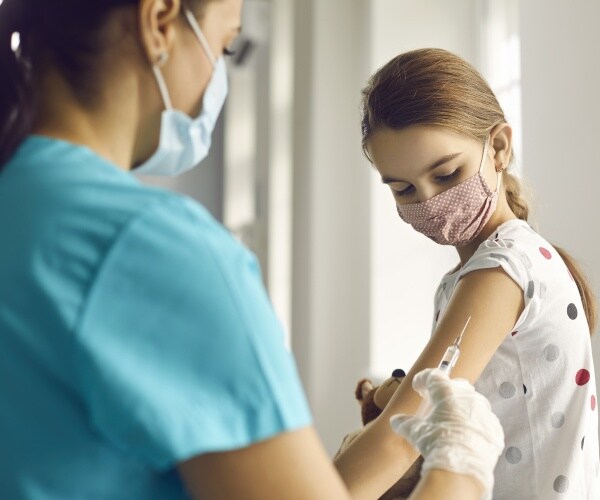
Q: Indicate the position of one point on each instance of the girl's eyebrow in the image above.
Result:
(434, 165)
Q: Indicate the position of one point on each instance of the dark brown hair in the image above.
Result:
(435, 87)
(63, 33)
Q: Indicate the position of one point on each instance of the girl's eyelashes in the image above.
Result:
(449, 177)
(405, 192)
(440, 178)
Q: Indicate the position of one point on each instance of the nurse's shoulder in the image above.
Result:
(76, 194)
(71, 214)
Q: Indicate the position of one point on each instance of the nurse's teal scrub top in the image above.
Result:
(135, 333)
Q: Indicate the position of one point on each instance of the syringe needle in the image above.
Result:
(459, 338)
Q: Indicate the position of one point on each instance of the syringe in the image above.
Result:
(446, 365)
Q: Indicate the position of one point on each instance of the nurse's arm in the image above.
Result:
(295, 466)
(377, 458)
(291, 465)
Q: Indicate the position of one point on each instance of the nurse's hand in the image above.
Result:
(461, 433)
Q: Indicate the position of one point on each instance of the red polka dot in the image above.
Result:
(545, 253)
(582, 377)
(593, 402)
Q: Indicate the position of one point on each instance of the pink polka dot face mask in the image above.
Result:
(455, 216)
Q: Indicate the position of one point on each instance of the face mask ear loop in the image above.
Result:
(162, 87)
(201, 38)
(485, 150)
(499, 183)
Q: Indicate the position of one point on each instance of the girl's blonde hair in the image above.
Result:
(436, 87)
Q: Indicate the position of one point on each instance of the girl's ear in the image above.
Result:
(501, 145)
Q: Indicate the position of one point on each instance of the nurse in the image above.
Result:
(139, 354)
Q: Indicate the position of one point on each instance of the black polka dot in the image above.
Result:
(524, 389)
(582, 441)
(572, 311)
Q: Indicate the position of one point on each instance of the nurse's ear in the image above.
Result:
(157, 27)
(501, 145)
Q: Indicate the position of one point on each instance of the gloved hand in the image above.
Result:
(461, 433)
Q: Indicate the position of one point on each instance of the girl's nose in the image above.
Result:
(425, 193)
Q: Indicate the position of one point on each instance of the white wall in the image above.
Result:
(406, 267)
(330, 287)
(561, 112)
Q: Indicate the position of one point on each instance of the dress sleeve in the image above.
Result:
(180, 352)
(515, 263)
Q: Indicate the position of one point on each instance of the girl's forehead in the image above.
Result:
(413, 148)
(416, 137)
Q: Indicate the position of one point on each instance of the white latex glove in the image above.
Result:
(461, 433)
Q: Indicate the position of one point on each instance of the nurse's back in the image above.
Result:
(61, 208)
(124, 347)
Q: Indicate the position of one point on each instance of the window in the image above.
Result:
(501, 61)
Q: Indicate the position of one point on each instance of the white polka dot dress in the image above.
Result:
(540, 382)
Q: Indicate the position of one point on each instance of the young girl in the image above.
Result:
(435, 132)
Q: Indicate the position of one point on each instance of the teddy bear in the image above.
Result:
(373, 400)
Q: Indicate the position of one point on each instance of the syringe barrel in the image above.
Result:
(446, 365)
(449, 360)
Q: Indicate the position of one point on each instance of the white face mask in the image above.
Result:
(184, 141)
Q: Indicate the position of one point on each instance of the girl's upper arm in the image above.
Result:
(494, 302)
